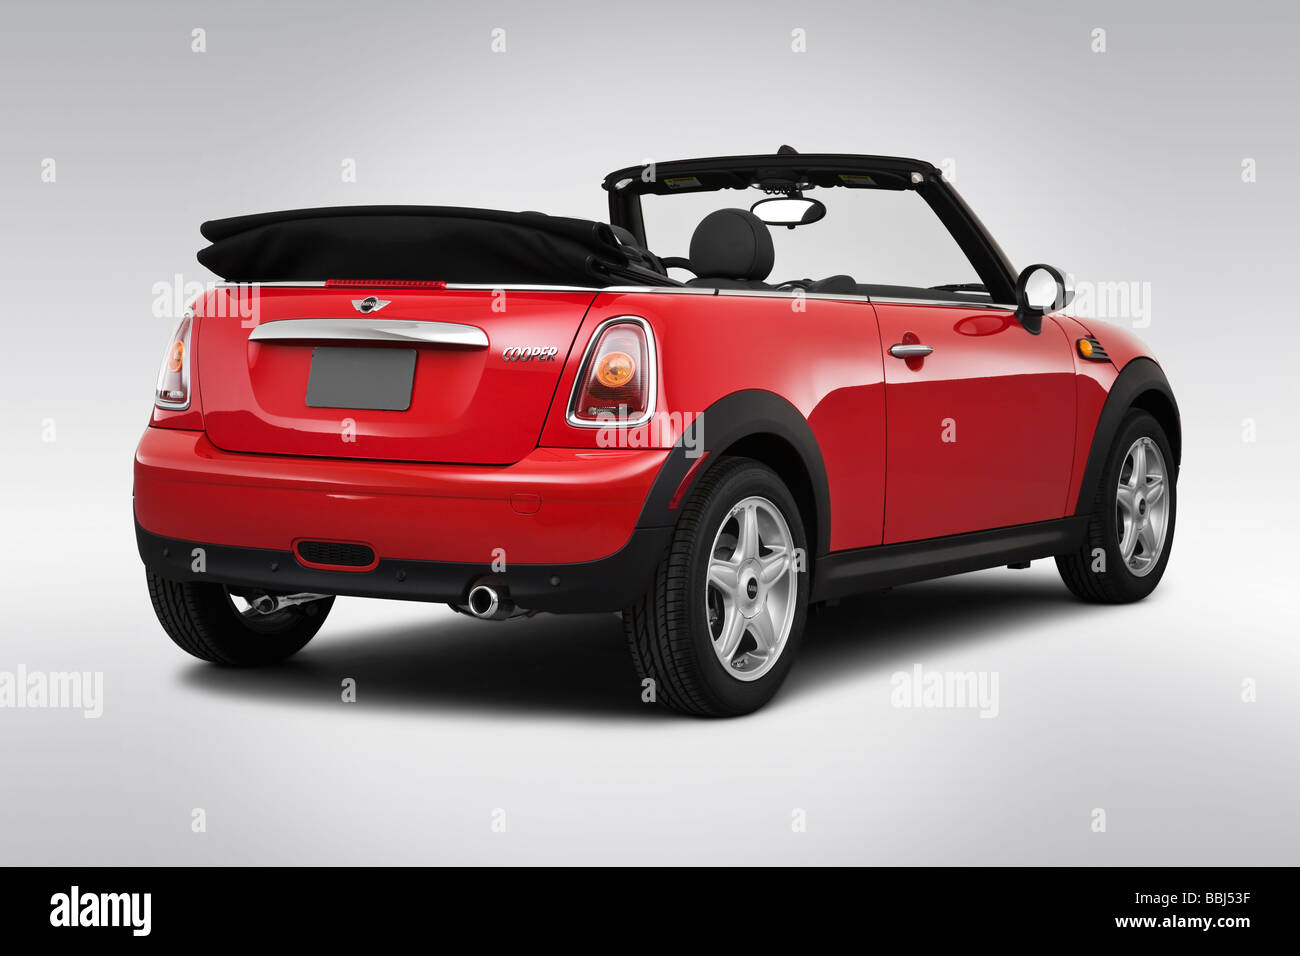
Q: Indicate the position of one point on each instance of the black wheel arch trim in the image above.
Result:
(741, 415)
(1138, 377)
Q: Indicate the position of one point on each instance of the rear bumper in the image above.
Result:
(609, 584)
(563, 521)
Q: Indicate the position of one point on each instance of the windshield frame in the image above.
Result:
(789, 169)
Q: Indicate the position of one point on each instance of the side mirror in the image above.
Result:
(1040, 289)
(789, 211)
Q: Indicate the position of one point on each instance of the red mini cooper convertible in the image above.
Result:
(768, 381)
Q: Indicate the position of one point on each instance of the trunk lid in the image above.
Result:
(266, 388)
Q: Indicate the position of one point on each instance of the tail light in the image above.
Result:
(173, 391)
(616, 381)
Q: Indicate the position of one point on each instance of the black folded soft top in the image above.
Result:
(454, 244)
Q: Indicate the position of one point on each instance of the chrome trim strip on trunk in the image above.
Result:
(370, 330)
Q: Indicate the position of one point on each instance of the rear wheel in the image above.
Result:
(722, 622)
(211, 623)
(1131, 530)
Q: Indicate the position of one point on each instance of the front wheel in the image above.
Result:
(722, 622)
(212, 624)
(1131, 529)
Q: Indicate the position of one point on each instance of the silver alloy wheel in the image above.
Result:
(1142, 506)
(753, 584)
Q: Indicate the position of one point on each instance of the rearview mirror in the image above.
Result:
(1040, 289)
(789, 211)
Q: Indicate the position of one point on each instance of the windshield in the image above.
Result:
(878, 237)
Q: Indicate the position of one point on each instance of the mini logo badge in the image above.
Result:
(369, 304)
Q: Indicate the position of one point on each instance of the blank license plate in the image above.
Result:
(361, 378)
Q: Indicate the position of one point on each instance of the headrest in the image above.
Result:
(732, 244)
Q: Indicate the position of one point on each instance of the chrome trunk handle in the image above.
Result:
(370, 330)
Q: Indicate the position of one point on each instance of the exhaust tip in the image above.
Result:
(483, 600)
(264, 604)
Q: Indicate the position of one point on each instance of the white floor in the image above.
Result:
(1136, 711)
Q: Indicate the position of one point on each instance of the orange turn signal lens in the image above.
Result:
(615, 369)
(1085, 348)
(173, 388)
(616, 383)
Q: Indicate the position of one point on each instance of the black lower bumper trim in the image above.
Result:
(609, 584)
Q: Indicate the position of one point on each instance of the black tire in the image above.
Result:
(1096, 572)
(668, 629)
(202, 621)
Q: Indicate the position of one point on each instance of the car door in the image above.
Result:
(980, 419)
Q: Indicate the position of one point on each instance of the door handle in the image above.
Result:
(914, 350)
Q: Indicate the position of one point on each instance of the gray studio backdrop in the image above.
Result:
(1154, 160)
